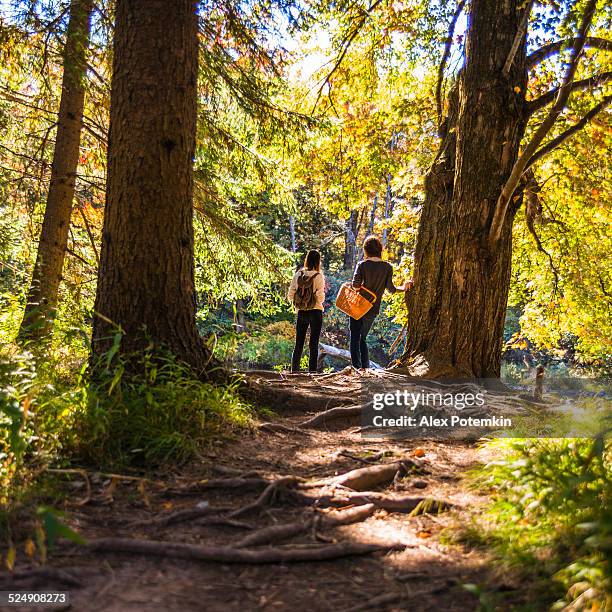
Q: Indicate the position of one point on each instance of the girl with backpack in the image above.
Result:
(307, 293)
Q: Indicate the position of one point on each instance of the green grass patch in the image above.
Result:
(162, 414)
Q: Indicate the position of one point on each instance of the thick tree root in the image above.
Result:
(242, 482)
(41, 576)
(366, 478)
(277, 533)
(390, 503)
(223, 521)
(303, 392)
(366, 460)
(380, 602)
(181, 516)
(332, 414)
(228, 554)
(280, 428)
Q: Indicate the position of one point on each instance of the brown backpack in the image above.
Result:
(304, 297)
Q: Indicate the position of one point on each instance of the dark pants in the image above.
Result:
(305, 319)
(359, 347)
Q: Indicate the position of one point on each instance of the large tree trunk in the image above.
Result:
(146, 278)
(457, 307)
(42, 296)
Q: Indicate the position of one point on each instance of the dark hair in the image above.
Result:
(313, 260)
(372, 246)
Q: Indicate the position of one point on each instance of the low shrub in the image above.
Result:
(551, 517)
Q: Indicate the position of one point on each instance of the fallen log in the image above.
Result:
(228, 554)
(339, 353)
(277, 533)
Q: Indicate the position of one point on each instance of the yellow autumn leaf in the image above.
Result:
(29, 547)
(10, 558)
(517, 89)
(42, 546)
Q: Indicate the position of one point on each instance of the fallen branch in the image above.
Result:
(227, 554)
(277, 533)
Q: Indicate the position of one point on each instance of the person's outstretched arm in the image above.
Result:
(391, 288)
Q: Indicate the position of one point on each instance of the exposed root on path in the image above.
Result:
(332, 414)
(33, 578)
(288, 492)
(229, 554)
(266, 496)
(182, 516)
(390, 503)
(280, 428)
(364, 479)
(277, 533)
(333, 396)
(242, 482)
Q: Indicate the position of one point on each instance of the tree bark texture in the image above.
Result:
(350, 241)
(457, 308)
(42, 296)
(146, 277)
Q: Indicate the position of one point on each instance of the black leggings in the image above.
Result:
(305, 319)
(359, 346)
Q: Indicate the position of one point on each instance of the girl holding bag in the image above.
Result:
(375, 275)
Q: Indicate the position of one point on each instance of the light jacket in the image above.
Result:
(318, 286)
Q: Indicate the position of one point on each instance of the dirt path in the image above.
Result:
(425, 574)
